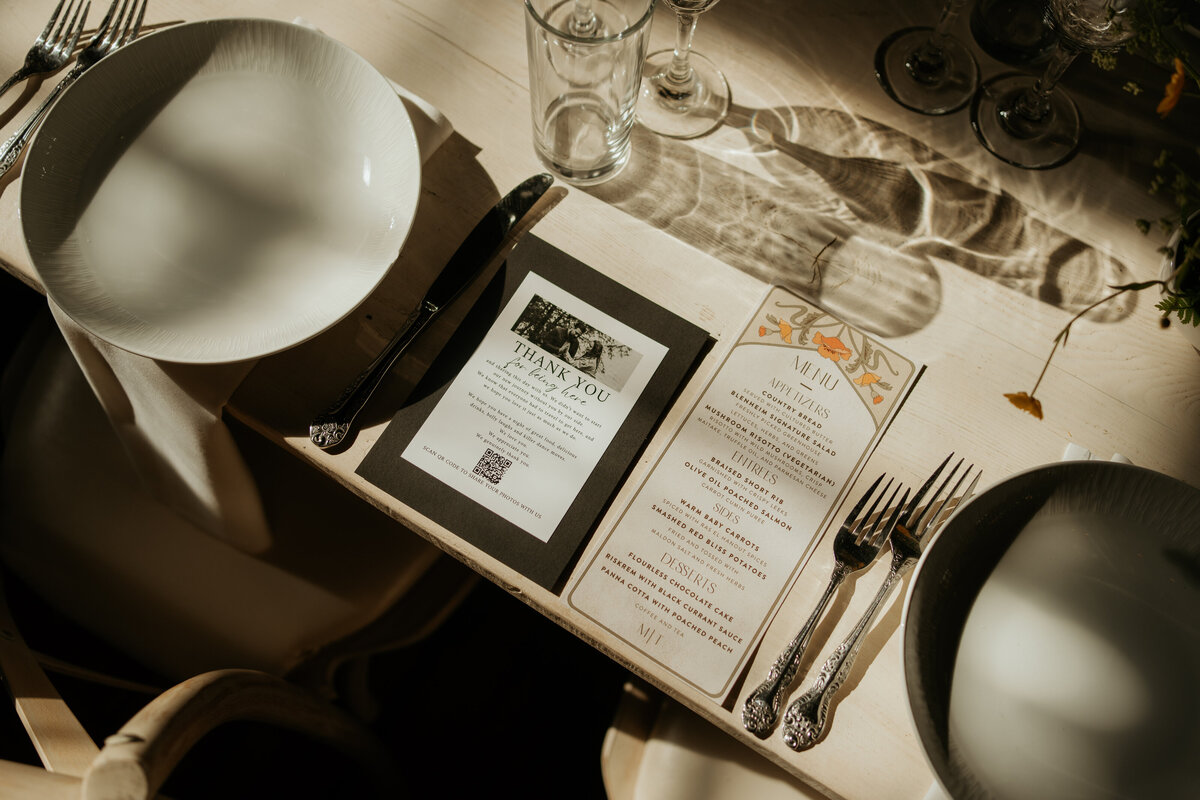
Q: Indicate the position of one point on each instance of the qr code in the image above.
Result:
(492, 465)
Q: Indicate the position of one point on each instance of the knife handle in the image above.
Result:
(329, 428)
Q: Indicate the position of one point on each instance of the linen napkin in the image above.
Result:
(168, 416)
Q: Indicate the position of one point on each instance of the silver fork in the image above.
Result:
(53, 47)
(854, 548)
(805, 719)
(117, 29)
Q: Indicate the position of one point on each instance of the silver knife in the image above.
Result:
(490, 238)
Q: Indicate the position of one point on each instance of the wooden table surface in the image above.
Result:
(951, 257)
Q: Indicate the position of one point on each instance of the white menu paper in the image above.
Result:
(695, 566)
(532, 409)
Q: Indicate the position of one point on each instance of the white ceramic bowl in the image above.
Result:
(1052, 638)
(220, 190)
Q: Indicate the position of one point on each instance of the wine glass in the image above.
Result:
(584, 21)
(928, 70)
(1014, 32)
(683, 93)
(1029, 121)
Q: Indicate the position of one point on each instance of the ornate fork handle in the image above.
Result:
(18, 76)
(761, 709)
(805, 719)
(16, 143)
(330, 427)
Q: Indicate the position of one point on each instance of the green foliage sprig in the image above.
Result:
(1182, 293)
(1168, 33)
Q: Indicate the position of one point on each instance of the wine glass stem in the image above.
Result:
(1034, 103)
(583, 21)
(927, 64)
(679, 75)
(945, 21)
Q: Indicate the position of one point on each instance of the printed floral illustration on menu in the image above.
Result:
(696, 564)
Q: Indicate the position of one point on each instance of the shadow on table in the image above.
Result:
(852, 213)
(456, 192)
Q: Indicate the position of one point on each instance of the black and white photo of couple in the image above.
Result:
(581, 346)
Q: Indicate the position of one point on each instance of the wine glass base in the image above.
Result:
(926, 85)
(1031, 145)
(682, 115)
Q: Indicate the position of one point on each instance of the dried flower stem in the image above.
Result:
(1028, 401)
(816, 262)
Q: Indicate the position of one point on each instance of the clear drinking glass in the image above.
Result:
(928, 70)
(683, 93)
(1030, 122)
(585, 67)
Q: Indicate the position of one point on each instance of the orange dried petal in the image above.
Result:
(1025, 402)
(1173, 90)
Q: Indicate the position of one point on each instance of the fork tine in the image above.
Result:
(923, 517)
(50, 52)
(121, 31)
(102, 28)
(930, 515)
(113, 40)
(120, 24)
(886, 530)
(50, 24)
(135, 22)
(934, 518)
(969, 492)
(137, 27)
(862, 501)
(873, 535)
(911, 511)
(76, 27)
(61, 22)
(861, 522)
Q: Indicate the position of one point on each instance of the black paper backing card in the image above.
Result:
(545, 563)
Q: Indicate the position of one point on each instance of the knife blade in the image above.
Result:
(491, 237)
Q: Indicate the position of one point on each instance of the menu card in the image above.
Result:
(695, 566)
(544, 411)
